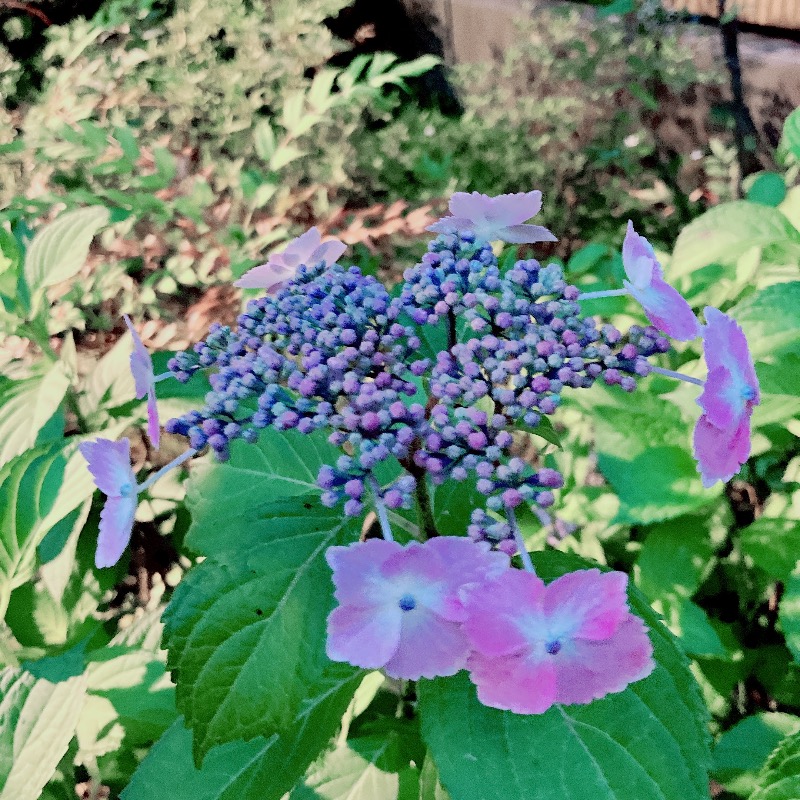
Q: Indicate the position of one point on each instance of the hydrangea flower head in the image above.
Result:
(399, 607)
(572, 641)
(308, 249)
(492, 218)
(664, 305)
(144, 380)
(110, 465)
(722, 434)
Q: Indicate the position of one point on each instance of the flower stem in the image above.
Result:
(380, 508)
(604, 293)
(176, 462)
(162, 377)
(427, 522)
(678, 376)
(452, 336)
(520, 542)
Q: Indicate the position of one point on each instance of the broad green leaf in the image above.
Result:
(742, 750)
(789, 614)
(255, 770)
(648, 742)
(770, 318)
(780, 778)
(282, 464)
(245, 630)
(37, 722)
(26, 407)
(692, 627)
(790, 139)
(674, 558)
(60, 249)
(655, 485)
(723, 233)
(429, 786)
(347, 774)
(773, 544)
(110, 383)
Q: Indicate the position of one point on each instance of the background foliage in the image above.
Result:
(163, 148)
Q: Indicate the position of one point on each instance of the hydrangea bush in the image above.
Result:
(365, 517)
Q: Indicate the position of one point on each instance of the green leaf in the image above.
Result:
(256, 770)
(790, 139)
(780, 778)
(692, 627)
(723, 233)
(773, 544)
(789, 614)
(281, 465)
(60, 249)
(768, 188)
(347, 773)
(655, 485)
(770, 318)
(648, 741)
(37, 722)
(246, 630)
(742, 750)
(26, 407)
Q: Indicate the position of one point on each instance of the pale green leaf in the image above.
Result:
(770, 318)
(26, 406)
(789, 614)
(59, 250)
(37, 722)
(790, 139)
(780, 778)
(724, 232)
(773, 544)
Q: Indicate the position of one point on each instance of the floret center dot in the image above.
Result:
(407, 603)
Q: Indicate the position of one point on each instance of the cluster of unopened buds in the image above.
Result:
(329, 349)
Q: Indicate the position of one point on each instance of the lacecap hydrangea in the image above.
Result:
(428, 384)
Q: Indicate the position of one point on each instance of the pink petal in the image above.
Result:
(513, 209)
(589, 603)
(153, 425)
(514, 683)
(667, 309)
(364, 637)
(638, 259)
(448, 224)
(498, 610)
(141, 363)
(329, 252)
(429, 647)
(720, 452)
(116, 525)
(725, 345)
(588, 670)
(473, 206)
(525, 234)
(266, 276)
(719, 398)
(110, 464)
(357, 570)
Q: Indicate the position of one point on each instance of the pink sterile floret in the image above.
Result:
(722, 434)
(399, 607)
(308, 249)
(572, 641)
(110, 465)
(144, 380)
(492, 218)
(664, 306)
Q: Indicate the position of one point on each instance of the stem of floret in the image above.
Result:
(605, 293)
(520, 542)
(176, 462)
(424, 511)
(162, 377)
(452, 338)
(678, 376)
(380, 508)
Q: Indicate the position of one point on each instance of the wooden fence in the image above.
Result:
(775, 13)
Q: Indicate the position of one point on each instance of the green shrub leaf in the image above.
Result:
(780, 778)
(771, 318)
(246, 629)
(789, 614)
